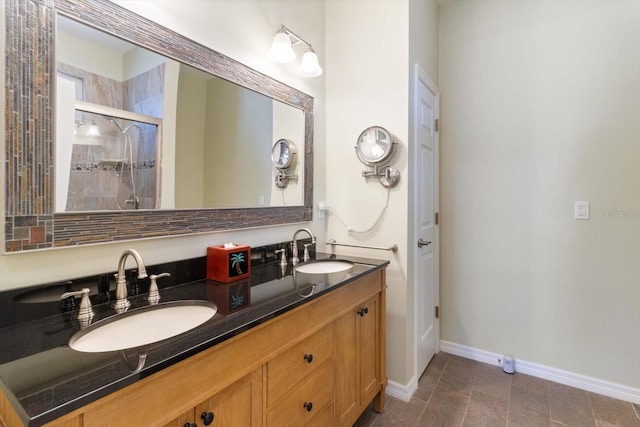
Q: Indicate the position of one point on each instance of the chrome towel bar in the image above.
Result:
(392, 248)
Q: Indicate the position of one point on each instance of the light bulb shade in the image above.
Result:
(93, 130)
(309, 66)
(281, 50)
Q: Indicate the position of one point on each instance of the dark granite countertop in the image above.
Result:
(45, 379)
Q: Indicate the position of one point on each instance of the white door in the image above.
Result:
(425, 195)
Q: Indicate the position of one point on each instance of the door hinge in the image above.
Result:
(437, 125)
(437, 312)
(437, 218)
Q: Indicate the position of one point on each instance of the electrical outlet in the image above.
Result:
(321, 208)
(581, 210)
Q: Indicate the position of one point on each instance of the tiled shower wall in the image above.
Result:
(144, 94)
(96, 182)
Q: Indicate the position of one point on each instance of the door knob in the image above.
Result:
(422, 243)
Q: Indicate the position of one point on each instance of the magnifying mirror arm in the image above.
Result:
(282, 178)
(372, 172)
(387, 175)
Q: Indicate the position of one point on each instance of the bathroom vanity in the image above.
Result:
(308, 350)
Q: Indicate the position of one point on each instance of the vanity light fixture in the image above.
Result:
(282, 51)
(93, 129)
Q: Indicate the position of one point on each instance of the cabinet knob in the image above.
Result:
(190, 425)
(207, 418)
(308, 358)
(363, 311)
(308, 406)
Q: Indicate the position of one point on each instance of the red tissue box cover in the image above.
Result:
(227, 265)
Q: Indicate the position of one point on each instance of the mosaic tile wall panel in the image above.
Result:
(84, 228)
(29, 53)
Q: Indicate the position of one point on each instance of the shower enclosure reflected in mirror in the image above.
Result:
(107, 159)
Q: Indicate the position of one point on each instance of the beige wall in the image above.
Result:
(231, 156)
(242, 30)
(540, 107)
(423, 36)
(369, 66)
(190, 124)
(366, 85)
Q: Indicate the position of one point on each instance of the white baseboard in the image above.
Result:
(400, 391)
(617, 391)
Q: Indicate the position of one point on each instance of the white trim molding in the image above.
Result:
(402, 392)
(595, 385)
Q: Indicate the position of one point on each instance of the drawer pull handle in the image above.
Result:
(308, 358)
(207, 418)
(363, 311)
(190, 425)
(308, 406)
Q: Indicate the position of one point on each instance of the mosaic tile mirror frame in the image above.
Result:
(31, 222)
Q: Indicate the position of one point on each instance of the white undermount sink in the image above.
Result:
(326, 266)
(142, 326)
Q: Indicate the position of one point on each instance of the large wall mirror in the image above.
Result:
(148, 134)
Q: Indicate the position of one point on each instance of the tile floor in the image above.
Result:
(455, 391)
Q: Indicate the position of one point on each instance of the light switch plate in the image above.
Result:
(581, 210)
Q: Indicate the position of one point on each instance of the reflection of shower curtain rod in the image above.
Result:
(116, 113)
(125, 130)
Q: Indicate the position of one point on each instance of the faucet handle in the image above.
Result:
(283, 258)
(306, 256)
(154, 294)
(153, 277)
(85, 311)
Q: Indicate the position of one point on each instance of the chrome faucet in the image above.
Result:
(295, 260)
(122, 303)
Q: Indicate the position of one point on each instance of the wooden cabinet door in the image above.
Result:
(357, 345)
(369, 349)
(346, 329)
(184, 419)
(239, 405)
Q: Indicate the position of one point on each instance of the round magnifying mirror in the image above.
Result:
(283, 154)
(375, 145)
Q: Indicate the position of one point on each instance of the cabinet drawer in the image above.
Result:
(289, 368)
(322, 419)
(294, 409)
